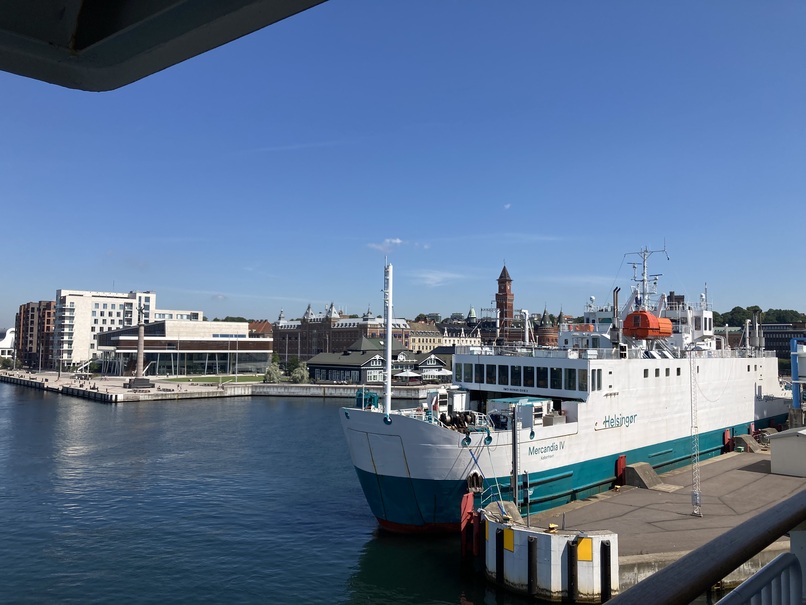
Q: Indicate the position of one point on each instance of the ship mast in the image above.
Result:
(645, 291)
(387, 313)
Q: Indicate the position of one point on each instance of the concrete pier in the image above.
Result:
(656, 526)
(115, 389)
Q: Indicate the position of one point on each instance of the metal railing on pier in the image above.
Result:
(695, 573)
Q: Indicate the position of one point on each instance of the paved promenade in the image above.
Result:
(656, 527)
(113, 389)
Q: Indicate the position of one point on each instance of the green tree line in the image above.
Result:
(737, 316)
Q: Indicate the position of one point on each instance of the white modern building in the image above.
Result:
(184, 347)
(82, 314)
(7, 342)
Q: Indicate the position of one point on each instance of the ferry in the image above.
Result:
(647, 381)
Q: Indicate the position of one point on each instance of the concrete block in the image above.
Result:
(641, 474)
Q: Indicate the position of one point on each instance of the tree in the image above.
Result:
(300, 374)
(783, 316)
(292, 364)
(273, 373)
(736, 317)
(421, 318)
(275, 358)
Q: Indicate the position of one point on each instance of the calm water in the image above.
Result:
(248, 500)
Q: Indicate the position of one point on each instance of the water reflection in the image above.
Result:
(421, 569)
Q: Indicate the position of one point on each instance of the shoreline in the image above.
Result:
(113, 389)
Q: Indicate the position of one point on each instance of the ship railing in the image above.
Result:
(421, 413)
(539, 352)
(490, 494)
(706, 566)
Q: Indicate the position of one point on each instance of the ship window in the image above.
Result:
(697, 322)
(571, 379)
(479, 377)
(503, 374)
(490, 374)
(646, 373)
(678, 371)
(556, 378)
(583, 380)
(598, 380)
(667, 372)
(542, 378)
(458, 372)
(515, 376)
(657, 372)
(748, 367)
(468, 372)
(528, 376)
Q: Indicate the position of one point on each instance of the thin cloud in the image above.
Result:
(507, 206)
(435, 279)
(386, 245)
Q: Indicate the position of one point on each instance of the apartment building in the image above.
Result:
(34, 338)
(330, 332)
(81, 315)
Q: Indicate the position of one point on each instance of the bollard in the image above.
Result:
(479, 544)
(572, 571)
(531, 562)
(468, 547)
(499, 556)
(606, 579)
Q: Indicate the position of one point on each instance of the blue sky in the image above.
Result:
(451, 136)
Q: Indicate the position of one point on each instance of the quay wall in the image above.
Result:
(112, 390)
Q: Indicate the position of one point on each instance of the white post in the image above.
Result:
(797, 546)
(387, 309)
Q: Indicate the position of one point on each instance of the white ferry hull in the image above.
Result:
(414, 473)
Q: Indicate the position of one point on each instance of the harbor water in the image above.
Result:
(243, 500)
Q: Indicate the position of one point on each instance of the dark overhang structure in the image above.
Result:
(100, 45)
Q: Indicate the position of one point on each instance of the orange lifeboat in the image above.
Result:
(643, 324)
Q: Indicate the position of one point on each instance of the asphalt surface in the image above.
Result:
(734, 488)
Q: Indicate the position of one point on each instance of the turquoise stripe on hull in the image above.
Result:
(420, 503)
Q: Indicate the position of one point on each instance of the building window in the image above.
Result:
(528, 376)
(571, 379)
(556, 378)
(542, 378)
(515, 376)
(503, 374)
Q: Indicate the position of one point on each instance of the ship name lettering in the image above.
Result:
(612, 422)
(554, 446)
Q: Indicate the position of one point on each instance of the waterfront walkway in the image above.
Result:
(656, 527)
(113, 389)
